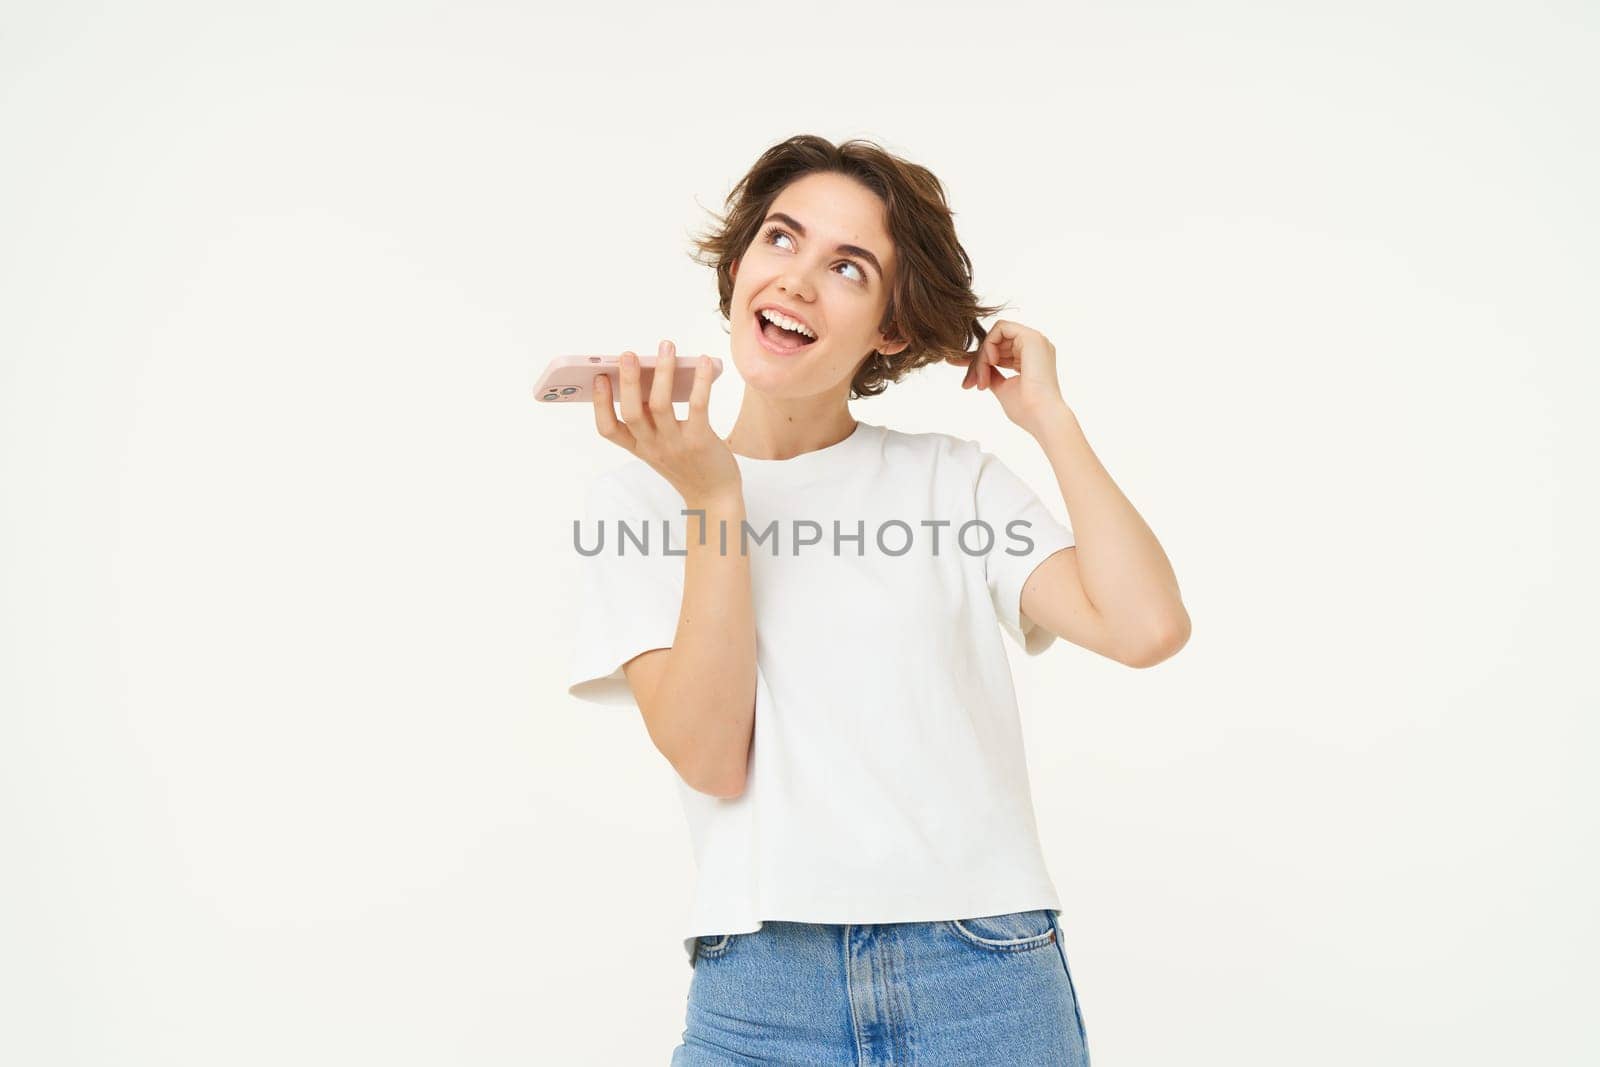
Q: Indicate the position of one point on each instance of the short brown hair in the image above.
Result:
(931, 303)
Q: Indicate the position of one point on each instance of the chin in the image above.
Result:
(772, 377)
(755, 362)
(780, 377)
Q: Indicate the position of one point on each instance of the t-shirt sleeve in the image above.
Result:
(628, 602)
(1026, 533)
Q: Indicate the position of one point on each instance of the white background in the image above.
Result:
(289, 772)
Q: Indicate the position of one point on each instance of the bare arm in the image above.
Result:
(1114, 591)
(698, 697)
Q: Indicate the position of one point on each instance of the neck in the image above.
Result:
(767, 429)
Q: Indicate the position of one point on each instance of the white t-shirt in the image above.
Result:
(887, 780)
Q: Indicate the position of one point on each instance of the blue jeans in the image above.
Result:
(993, 990)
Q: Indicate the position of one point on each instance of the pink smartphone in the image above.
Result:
(570, 378)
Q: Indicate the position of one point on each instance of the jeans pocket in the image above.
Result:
(710, 946)
(1017, 931)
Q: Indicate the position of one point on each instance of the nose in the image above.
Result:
(794, 282)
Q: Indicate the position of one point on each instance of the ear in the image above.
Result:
(733, 269)
(888, 347)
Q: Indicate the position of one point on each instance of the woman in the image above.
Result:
(813, 644)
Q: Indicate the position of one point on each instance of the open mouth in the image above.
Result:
(780, 338)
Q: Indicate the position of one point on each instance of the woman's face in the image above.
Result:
(796, 262)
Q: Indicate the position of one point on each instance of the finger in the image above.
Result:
(980, 358)
(700, 394)
(1001, 340)
(1007, 329)
(661, 388)
(605, 417)
(999, 382)
(633, 412)
(998, 348)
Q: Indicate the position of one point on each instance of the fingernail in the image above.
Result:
(662, 347)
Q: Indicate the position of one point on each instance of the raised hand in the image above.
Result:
(1031, 396)
(687, 453)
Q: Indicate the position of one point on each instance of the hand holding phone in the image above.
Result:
(687, 453)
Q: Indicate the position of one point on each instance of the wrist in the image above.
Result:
(1054, 422)
(717, 501)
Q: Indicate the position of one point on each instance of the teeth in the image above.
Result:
(786, 322)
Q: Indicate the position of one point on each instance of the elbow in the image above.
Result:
(729, 792)
(723, 786)
(711, 752)
(716, 772)
(1169, 640)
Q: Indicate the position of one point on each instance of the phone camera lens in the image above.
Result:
(569, 390)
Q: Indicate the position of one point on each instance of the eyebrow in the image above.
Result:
(849, 250)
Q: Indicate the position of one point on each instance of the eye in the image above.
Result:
(774, 232)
